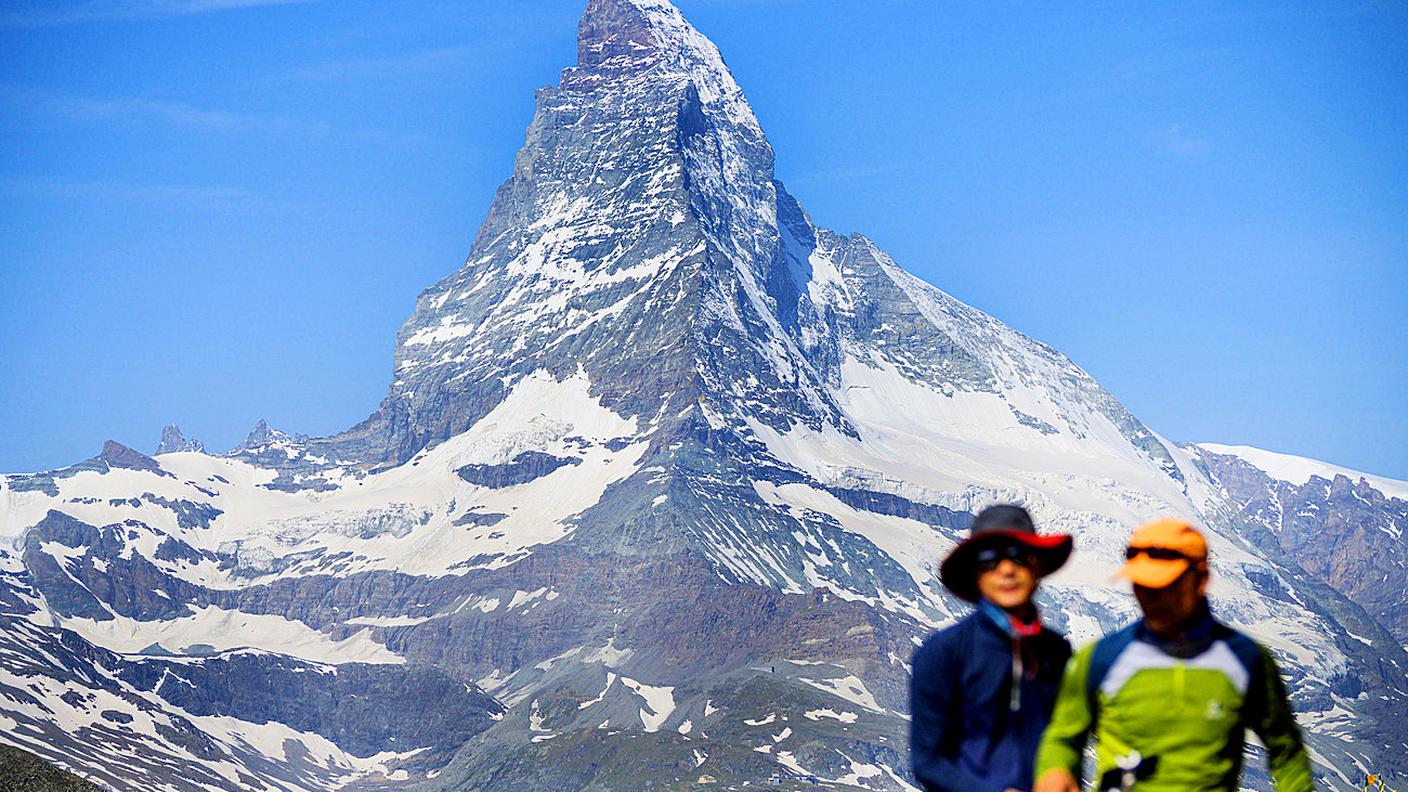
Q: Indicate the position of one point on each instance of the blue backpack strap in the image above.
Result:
(1102, 658)
(1249, 654)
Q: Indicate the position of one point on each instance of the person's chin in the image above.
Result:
(1158, 625)
(1010, 601)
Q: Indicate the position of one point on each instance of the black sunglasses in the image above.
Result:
(1157, 553)
(989, 558)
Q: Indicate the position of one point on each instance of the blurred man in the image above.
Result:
(983, 689)
(1169, 698)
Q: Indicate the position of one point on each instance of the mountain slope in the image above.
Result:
(21, 771)
(658, 492)
(1343, 526)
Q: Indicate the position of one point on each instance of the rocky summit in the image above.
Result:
(655, 500)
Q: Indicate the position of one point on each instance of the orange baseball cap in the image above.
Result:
(1160, 551)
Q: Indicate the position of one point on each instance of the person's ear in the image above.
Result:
(1203, 577)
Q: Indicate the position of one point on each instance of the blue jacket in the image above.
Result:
(969, 730)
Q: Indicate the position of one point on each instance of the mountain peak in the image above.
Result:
(635, 28)
(636, 35)
(258, 435)
(172, 441)
(118, 455)
(262, 434)
(614, 28)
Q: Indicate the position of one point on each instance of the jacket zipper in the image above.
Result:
(1016, 698)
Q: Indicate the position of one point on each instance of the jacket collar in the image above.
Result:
(1006, 624)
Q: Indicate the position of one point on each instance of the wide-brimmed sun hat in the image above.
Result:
(1160, 551)
(1001, 524)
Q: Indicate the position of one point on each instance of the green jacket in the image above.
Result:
(1182, 708)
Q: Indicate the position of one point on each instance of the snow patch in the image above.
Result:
(818, 714)
(228, 629)
(659, 702)
(1298, 470)
(849, 687)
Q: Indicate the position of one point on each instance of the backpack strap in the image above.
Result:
(1251, 656)
(1107, 650)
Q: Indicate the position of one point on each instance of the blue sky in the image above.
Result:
(220, 210)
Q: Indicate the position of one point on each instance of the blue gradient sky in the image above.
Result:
(213, 211)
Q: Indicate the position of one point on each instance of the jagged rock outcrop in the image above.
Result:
(172, 441)
(118, 455)
(261, 435)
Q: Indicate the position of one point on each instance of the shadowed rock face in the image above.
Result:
(365, 707)
(521, 469)
(120, 456)
(113, 455)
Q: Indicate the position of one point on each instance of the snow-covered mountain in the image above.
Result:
(657, 494)
(1344, 526)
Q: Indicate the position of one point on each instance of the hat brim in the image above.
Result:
(959, 572)
(1155, 573)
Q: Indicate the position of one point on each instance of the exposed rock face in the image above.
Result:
(521, 469)
(658, 492)
(261, 435)
(118, 455)
(1344, 531)
(172, 441)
